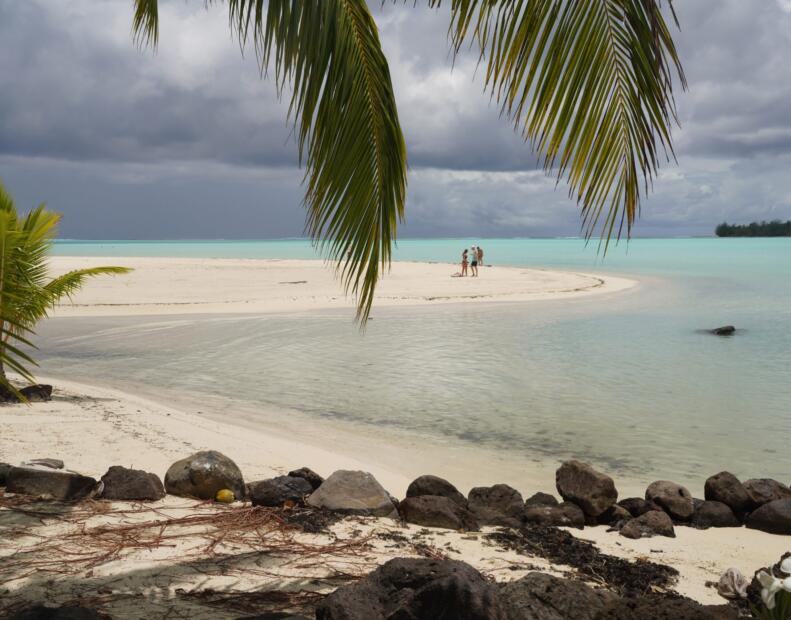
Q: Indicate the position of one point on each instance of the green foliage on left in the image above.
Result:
(27, 294)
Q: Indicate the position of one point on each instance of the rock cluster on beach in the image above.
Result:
(424, 588)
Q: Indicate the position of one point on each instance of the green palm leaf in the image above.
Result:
(346, 122)
(590, 86)
(26, 292)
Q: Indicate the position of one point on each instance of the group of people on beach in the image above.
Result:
(471, 258)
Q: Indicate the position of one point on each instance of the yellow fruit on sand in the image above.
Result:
(225, 496)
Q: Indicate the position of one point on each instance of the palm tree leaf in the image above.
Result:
(145, 23)
(589, 85)
(346, 124)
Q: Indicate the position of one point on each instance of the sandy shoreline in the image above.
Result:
(92, 428)
(219, 285)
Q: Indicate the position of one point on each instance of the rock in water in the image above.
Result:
(308, 474)
(202, 474)
(415, 589)
(538, 596)
(560, 515)
(725, 330)
(277, 491)
(714, 514)
(497, 505)
(652, 523)
(121, 483)
(434, 485)
(437, 511)
(765, 490)
(774, 517)
(725, 487)
(353, 492)
(55, 483)
(674, 499)
(591, 490)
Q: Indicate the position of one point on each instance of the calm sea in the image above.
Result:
(628, 381)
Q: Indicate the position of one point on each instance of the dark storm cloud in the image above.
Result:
(170, 135)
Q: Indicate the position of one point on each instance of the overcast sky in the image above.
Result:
(191, 142)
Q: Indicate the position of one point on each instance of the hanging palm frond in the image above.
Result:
(590, 86)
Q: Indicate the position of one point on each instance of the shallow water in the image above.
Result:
(627, 381)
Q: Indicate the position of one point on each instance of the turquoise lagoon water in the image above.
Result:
(627, 381)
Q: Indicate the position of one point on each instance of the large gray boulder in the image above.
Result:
(726, 488)
(52, 483)
(560, 515)
(121, 483)
(353, 492)
(674, 499)
(774, 517)
(591, 490)
(202, 474)
(437, 511)
(415, 589)
(714, 514)
(434, 485)
(538, 596)
(497, 505)
(277, 491)
(652, 523)
(765, 490)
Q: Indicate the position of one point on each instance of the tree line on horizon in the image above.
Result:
(775, 228)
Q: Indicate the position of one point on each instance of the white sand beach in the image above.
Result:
(219, 285)
(92, 428)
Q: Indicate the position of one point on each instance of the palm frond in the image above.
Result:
(590, 86)
(346, 123)
(145, 23)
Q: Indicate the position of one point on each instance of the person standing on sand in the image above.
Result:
(474, 262)
(480, 256)
(464, 262)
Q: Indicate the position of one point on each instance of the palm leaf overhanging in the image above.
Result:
(26, 293)
(588, 83)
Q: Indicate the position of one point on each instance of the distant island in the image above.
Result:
(775, 228)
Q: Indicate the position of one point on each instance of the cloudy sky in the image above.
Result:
(191, 142)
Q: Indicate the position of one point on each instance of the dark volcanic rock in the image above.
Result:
(437, 511)
(353, 492)
(538, 596)
(591, 490)
(277, 491)
(726, 488)
(674, 499)
(38, 393)
(54, 483)
(121, 483)
(202, 474)
(434, 485)
(561, 515)
(765, 490)
(541, 499)
(652, 523)
(714, 514)
(497, 505)
(665, 608)
(4, 469)
(308, 474)
(40, 612)
(774, 517)
(725, 330)
(614, 515)
(415, 589)
(638, 506)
